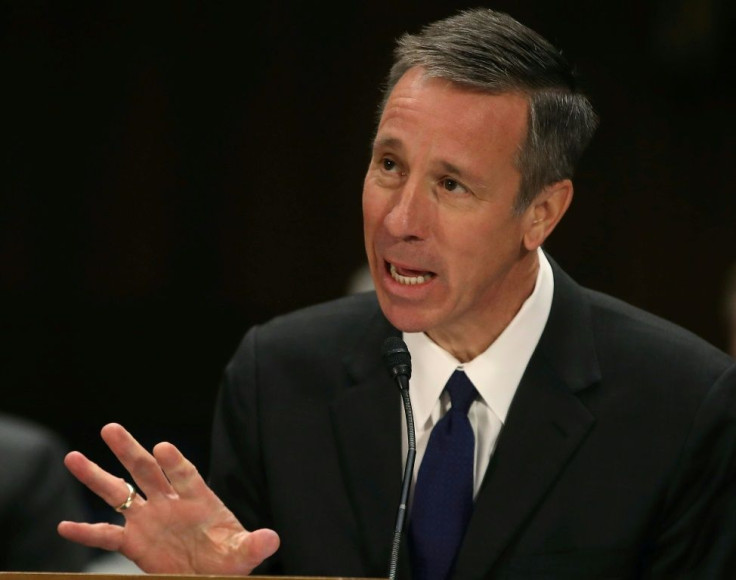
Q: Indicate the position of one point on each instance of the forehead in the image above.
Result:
(452, 118)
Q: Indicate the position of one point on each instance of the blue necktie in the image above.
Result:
(443, 495)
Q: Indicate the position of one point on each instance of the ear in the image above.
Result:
(545, 212)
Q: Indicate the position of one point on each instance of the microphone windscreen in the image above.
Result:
(396, 354)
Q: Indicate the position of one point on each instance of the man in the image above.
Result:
(601, 439)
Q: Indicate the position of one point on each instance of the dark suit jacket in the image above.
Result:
(617, 459)
(36, 493)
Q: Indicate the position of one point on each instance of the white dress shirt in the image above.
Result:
(496, 374)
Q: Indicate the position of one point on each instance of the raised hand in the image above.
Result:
(179, 527)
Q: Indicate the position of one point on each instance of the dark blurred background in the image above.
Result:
(176, 172)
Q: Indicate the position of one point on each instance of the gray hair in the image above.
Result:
(491, 52)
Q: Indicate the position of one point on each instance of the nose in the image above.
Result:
(409, 216)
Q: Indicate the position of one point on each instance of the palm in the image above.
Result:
(188, 537)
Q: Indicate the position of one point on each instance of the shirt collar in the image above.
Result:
(497, 371)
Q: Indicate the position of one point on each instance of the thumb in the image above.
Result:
(259, 545)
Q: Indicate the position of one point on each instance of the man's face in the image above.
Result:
(444, 244)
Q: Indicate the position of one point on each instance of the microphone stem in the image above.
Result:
(406, 481)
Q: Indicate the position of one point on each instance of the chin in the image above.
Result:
(404, 317)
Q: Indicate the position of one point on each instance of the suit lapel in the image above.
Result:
(545, 425)
(366, 419)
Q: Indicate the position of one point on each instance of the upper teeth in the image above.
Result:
(410, 280)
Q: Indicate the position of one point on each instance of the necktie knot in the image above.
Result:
(462, 392)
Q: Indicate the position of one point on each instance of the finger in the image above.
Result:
(259, 545)
(105, 536)
(113, 490)
(142, 466)
(182, 474)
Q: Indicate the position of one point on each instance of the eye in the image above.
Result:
(453, 186)
(388, 164)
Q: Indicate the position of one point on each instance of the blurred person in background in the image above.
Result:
(35, 492)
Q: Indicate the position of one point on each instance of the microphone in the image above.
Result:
(398, 363)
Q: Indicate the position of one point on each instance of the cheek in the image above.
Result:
(373, 211)
(476, 248)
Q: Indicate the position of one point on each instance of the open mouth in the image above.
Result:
(409, 277)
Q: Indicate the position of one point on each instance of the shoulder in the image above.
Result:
(326, 319)
(21, 438)
(329, 329)
(630, 333)
(590, 334)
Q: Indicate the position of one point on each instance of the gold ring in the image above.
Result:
(129, 500)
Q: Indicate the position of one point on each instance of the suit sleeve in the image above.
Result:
(697, 538)
(236, 472)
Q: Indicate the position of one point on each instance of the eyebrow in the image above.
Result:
(388, 142)
(450, 168)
